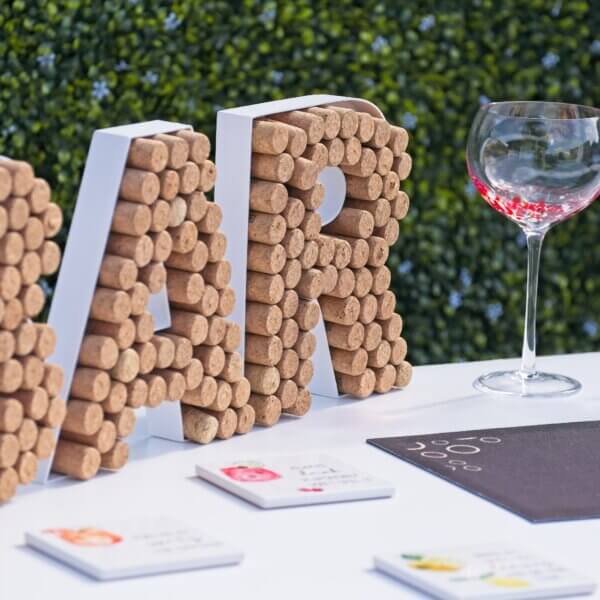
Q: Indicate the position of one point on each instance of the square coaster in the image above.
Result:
(540, 472)
(118, 549)
(280, 481)
(498, 572)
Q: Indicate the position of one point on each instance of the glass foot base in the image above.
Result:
(516, 383)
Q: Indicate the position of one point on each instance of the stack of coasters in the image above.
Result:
(118, 549)
(283, 481)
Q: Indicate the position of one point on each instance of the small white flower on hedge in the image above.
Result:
(100, 89)
(122, 65)
(455, 299)
(595, 47)
(379, 43)
(427, 23)
(409, 120)
(150, 77)
(550, 60)
(590, 327)
(172, 22)
(494, 311)
(46, 60)
(405, 267)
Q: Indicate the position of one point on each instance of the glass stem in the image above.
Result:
(534, 250)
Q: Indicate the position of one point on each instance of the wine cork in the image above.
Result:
(336, 150)
(139, 186)
(178, 211)
(50, 257)
(226, 302)
(12, 248)
(289, 333)
(263, 380)
(222, 398)
(382, 278)
(368, 309)
(103, 440)
(11, 415)
(204, 394)
(14, 311)
(124, 421)
(385, 378)
(264, 258)
(131, 218)
(26, 467)
(10, 282)
(232, 338)
(289, 304)
(386, 304)
(293, 213)
(390, 232)
(218, 274)
(380, 356)
(31, 299)
(83, 417)
(90, 384)
(157, 390)
(123, 333)
(117, 272)
(267, 197)
(345, 337)
(139, 249)
(287, 393)
(216, 331)
(183, 351)
(6, 183)
(211, 221)
(197, 205)
(263, 319)
(127, 366)
(359, 386)
(33, 403)
(307, 315)
(382, 133)
(240, 391)
(32, 371)
(22, 176)
(33, 234)
(208, 176)
(351, 362)
(331, 121)
(302, 404)
(312, 198)
(305, 173)
(160, 216)
(318, 154)
(28, 433)
(288, 365)
(400, 205)
(364, 167)
(178, 150)
(373, 336)
(44, 443)
(293, 242)
(216, 244)
(198, 426)
(326, 250)
(232, 370)
(194, 261)
(192, 326)
(7, 345)
(304, 373)
(399, 350)
(9, 480)
(311, 225)
(267, 409)
(55, 415)
(398, 141)
(297, 140)
(228, 422)
(245, 419)
(359, 249)
(184, 287)
(380, 209)
(163, 246)
(17, 212)
(30, 268)
(263, 350)
(139, 295)
(176, 384)
(269, 137)
(165, 349)
(330, 278)
(266, 228)
(147, 355)
(363, 281)
(116, 458)
(364, 188)
(378, 251)
(272, 168)
(53, 379)
(310, 285)
(305, 345)
(98, 351)
(209, 303)
(199, 144)
(193, 374)
(169, 185)
(343, 311)
(147, 154)
(212, 359)
(261, 287)
(189, 177)
(385, 160)
(184, 236)
(352, 151)
(391, 184)
(349, 121)
(403, 374)
(11, 376)
(313, 125)
(137, 393)
(402, 166)
(352, 222)
(392, 327)
(309, 255)
(344, 284)
(291, 274)
(39, 196)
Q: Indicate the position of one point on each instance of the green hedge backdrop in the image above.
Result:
(68, 67)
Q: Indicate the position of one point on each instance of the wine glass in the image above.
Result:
(537, 163)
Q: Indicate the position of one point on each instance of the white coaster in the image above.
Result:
(117, 549)
(279, 481)
(498, 572)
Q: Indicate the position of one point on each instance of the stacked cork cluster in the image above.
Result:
(294, 262)
(164, 232)
(30, 408)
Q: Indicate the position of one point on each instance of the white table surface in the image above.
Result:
(318, 552)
